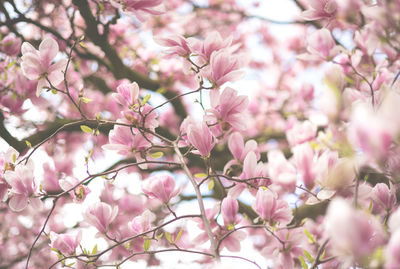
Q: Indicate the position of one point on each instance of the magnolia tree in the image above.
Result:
(201, 129)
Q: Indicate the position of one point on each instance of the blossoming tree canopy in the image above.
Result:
(259, 134)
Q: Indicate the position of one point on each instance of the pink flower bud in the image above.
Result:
(100, 215)
(65, 243)
(10, 45)
(384, 197)
(230, 209)
(161, 187)
(200, 137)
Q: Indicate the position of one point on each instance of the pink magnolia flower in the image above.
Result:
(139, 6)
(271, 208)
(224, 67)
(230, 209)
(10, 45)
(321, 44)
(65, 243)
(232, 242)
(392, 252)
(371, 131)
(281, 171)
(127, 142)
(383, 197)
(176, 45)
(213, 42)
(227, 108)
(305, 163)
(353, 234)
(7, 162)
(127, 94)
(201, 138)
(239, 149)
(23, 187)
(301, 132)
(37, 64)
(150, 122)
(320, 9)
(100, 215)
(79, 193)
(142, 223)
(161, 187)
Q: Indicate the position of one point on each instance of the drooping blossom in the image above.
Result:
(227, 108)
(229, 210)
(320, 9)
(224, 67)
(161, 187)
(200, 136)
(23, 187)
(353, 234)
(271, 208)
(38, 64)
(65, 243)
(100, 215)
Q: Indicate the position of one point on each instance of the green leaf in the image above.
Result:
(308, 256)
(211, 184)
(10, 64)
(28, 143)
(72, 263)
(54, 91)
(86, 100)
(160, 236)
(86, 129)
(157, 155)
(146, 99)
(54, 249)
(94, 251)
(310, 236)
(147, 244)
(14, 158)
(82, 44)
(128, 246)
(179, 235)
(161, 90)
(200, 175)
(303, 262)
(168, 236)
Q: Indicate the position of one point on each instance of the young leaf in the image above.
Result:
(308, 256)
(303, 262)
(211, 184)
(86, 129)
(147, 244)
(94, 251)
(168, 236)
(200, 175)
(310, 236)
(146, 99)
(179, 235)
(157, 155)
